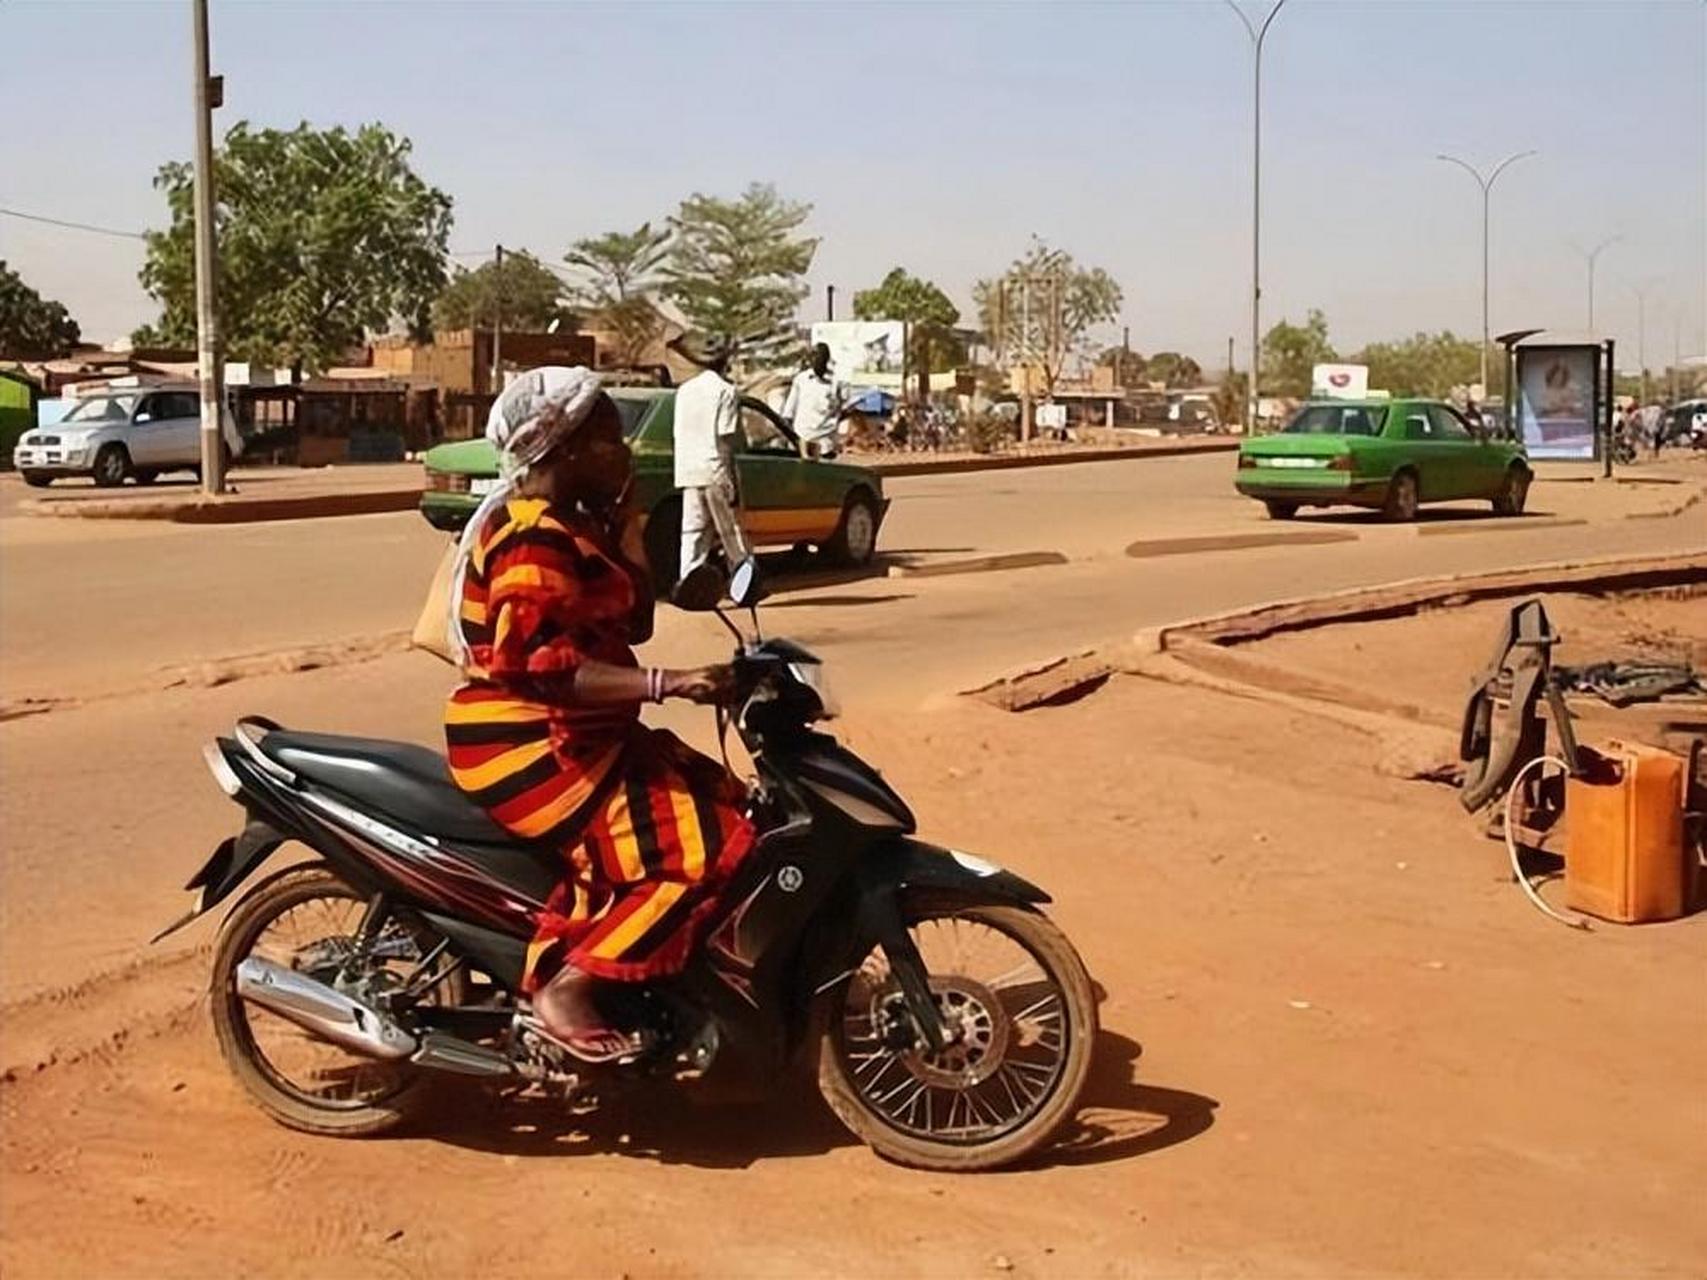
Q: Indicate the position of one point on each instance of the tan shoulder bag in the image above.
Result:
(432, 628)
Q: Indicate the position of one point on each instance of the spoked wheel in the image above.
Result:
(1023, 1017)
(307, 919)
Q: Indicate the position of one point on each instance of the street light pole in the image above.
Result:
(1257, 37)
(1592, 255)
(210, 369)
(1486, 184)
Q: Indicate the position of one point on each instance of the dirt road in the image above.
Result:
(1337, 1039)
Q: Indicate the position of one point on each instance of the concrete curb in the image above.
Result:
(240, 509)
(1240, 626)
(1144, 548)
(236, 509)
(1498, 524)
(978, 564)
(1053, 679)
(1006, 462)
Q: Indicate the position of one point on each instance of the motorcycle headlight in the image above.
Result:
(815, 678)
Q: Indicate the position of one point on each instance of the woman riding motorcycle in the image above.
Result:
(551, 593)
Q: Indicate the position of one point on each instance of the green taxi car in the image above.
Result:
(786, 500)
(1388, 455)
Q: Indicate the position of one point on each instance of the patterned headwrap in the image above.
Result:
(535, 414)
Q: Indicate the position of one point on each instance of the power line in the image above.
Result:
(72, 226)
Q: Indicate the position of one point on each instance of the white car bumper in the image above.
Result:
(61, 460)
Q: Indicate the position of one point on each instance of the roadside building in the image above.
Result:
(18, 395)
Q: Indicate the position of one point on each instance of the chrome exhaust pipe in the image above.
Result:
(316, 1007)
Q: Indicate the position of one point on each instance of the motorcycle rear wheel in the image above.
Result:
(1013, 1079)
(382, 1094)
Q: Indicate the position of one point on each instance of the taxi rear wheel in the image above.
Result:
(1401, 504)
(663, 539)
(855, 541)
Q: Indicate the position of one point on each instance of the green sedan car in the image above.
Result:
(786, 500)
(1389, 455)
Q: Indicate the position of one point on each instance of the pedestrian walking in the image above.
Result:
(706, 440)
(1653, 427)
(814, 406)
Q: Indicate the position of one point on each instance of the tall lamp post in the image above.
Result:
(1487, 185)
(1591, 256)
(1257, 36)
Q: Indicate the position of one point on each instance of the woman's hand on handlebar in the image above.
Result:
(709, 686)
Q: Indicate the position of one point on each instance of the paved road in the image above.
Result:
(96, 607)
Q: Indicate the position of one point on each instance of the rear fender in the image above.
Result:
(233, 862)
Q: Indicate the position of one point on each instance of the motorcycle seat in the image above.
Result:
(400, 780)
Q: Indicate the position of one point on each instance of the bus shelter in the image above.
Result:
(1560, 394)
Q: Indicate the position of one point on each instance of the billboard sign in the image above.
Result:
(1339, 381)
(1557, 401)
(863, 352)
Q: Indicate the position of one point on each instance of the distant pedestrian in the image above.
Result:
(706, 439)
(814, 406)
(1653, 427)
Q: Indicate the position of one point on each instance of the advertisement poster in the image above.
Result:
(863, 352)
(1556, 401)
(1339, 381)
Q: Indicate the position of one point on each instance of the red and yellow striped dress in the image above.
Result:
(649, 828)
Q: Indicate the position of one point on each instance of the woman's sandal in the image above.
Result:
(596, 1046)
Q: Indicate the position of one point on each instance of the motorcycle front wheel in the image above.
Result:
(1023, 1015)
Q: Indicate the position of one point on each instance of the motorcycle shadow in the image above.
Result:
(662, 1126)
(1118, 1119)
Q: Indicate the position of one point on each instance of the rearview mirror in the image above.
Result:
(744, 588)
(700, 590)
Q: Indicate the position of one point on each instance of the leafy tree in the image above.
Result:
(737, 268)
(1129, 367)
(324, 236)
(31, 325)
(621, 281)
(1171, 369)
(1290, 351)
(932, 346)
(1427, 364)
(1066, 302)
(525, 293)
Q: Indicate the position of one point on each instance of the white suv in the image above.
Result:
(138, 432)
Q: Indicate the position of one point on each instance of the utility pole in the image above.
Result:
(1641, 292)
(1257, 38)
(210, 368)
(1676, 348)
(1028, 348)
(829, 302)
(1487, 185)
(497, 378)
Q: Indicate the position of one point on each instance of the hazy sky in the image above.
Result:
(941, 136)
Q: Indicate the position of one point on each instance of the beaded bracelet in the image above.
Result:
(655, 684)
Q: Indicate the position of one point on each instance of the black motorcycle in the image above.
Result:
(950, 1024)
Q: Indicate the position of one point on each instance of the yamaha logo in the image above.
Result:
(790, 878)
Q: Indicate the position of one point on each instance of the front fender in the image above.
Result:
(906, 863)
